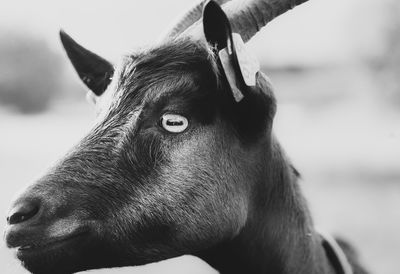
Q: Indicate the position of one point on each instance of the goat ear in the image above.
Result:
(217, 29)
(93, 70)
(239, 66)
(255, 105)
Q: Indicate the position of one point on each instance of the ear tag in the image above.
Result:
(246, 64)
(226, 62)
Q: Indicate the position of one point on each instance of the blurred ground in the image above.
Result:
(337, 83)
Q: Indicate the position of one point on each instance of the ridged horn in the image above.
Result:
(248, 17)
(189, 18)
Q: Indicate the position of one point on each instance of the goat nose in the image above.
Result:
(22, 212)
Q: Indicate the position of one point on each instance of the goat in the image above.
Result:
(182, 160)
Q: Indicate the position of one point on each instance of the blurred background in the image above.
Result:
(335, 65)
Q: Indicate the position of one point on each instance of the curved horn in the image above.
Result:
(189, 18)
(248, 17)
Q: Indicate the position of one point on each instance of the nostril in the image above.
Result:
(22, 212)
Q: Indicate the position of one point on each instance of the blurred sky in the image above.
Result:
(320, 31)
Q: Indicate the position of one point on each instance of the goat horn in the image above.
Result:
(248, 17)
(189, 18)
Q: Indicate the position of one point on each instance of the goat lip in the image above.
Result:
(36, 248)
(26, 247)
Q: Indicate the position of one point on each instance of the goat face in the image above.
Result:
(167, 170)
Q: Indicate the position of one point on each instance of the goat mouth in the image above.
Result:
(35, 249)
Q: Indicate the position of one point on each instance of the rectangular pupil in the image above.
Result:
(174, 123)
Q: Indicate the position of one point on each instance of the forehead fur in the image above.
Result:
(179, 65)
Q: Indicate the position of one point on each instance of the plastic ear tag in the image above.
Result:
(225, 58)
(248, 65)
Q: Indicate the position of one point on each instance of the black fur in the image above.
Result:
(135, 200)
(222, 190)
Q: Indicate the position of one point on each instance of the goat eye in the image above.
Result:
(174, 123)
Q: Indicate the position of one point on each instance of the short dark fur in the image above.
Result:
(222, 190)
